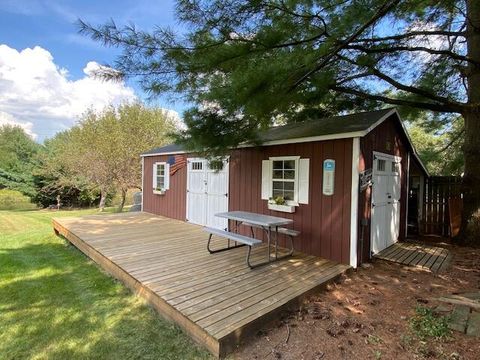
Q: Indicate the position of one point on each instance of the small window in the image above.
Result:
(380, 165)
(283, 178)
(395, 167)
(197, 165)
(216, 165)
(160, 176)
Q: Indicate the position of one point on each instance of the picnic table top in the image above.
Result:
(254, 218)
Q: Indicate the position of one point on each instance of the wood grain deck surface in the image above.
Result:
(433, 258)
(215, 298)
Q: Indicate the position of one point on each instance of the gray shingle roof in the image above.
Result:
(328, 126)
(171, 148)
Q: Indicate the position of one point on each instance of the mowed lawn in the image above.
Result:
(57, 304)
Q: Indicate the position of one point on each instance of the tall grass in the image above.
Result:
(14, 200)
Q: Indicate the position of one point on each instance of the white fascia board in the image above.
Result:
(165, 153)
(313, 138)
(354, 202)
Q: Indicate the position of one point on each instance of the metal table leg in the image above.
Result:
(269, 236)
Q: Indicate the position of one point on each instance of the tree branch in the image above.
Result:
(413, 34)
(451, 142)
(411, 89)
(385, 99)
(394, 49)
(380, 13)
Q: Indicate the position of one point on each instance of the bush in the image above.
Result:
(14, 200)
(425, 324)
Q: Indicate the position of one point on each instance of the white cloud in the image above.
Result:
(33, 89)
(7, 119)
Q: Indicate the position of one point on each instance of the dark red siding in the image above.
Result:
(325, 222)
(386, 138)
(173, 203)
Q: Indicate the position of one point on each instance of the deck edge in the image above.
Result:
(162, 307)
(229, 342)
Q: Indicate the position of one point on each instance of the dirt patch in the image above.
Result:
(365, 315)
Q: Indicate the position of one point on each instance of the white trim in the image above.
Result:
(143, 182)
(166, 153)
(386, 156)
(166, 172)
(408, 193)
(312, 138)
(293, 202)
(354, 202)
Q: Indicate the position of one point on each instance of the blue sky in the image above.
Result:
(58, 59)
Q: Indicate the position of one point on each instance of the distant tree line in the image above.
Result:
(87, 164)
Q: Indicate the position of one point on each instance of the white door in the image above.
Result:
(207, 192)
(385, 201)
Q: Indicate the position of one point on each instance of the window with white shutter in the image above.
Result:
(286, 178)
(161, 176)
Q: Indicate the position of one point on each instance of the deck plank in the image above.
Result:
(419, 255)
(213, 297)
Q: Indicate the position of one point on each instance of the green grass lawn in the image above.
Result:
(57, 304)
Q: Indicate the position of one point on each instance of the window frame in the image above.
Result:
(155, 176)
(293, 202)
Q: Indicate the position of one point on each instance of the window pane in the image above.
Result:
(381, 165)
(289, 164)
(394, 166)
(197, 165)
(160, 169)
(278, 185)
(160, 181)
(288, 195)
(277, 174)
(289, 174)
(289, 185)
(278, 165)
(277, 193)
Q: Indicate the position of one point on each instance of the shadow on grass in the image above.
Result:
(56, 304)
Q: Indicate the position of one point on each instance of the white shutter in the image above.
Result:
(154, 177)
(303, 180)
(167, 176)
(266, 179)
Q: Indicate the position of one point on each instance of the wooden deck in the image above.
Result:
(215, 298)
(424, 256)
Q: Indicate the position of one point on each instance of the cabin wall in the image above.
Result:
(324, 222)
(173, 203)
(386, 138)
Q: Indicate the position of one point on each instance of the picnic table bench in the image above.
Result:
(269, 224)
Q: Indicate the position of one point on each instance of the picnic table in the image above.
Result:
(271, 225)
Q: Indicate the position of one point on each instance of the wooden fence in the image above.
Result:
(438, 190)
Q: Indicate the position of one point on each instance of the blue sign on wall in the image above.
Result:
(329, 165)
(328, 177)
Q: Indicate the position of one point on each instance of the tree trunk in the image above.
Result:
(122, 202)
(471, 149)
(103, 200)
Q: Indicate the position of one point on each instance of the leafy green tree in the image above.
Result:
(439, 149)
(103, 151)
(53, 177)
(17, 159)
(247, 63)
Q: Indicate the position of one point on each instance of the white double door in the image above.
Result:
(386, 189)
(207, 192)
